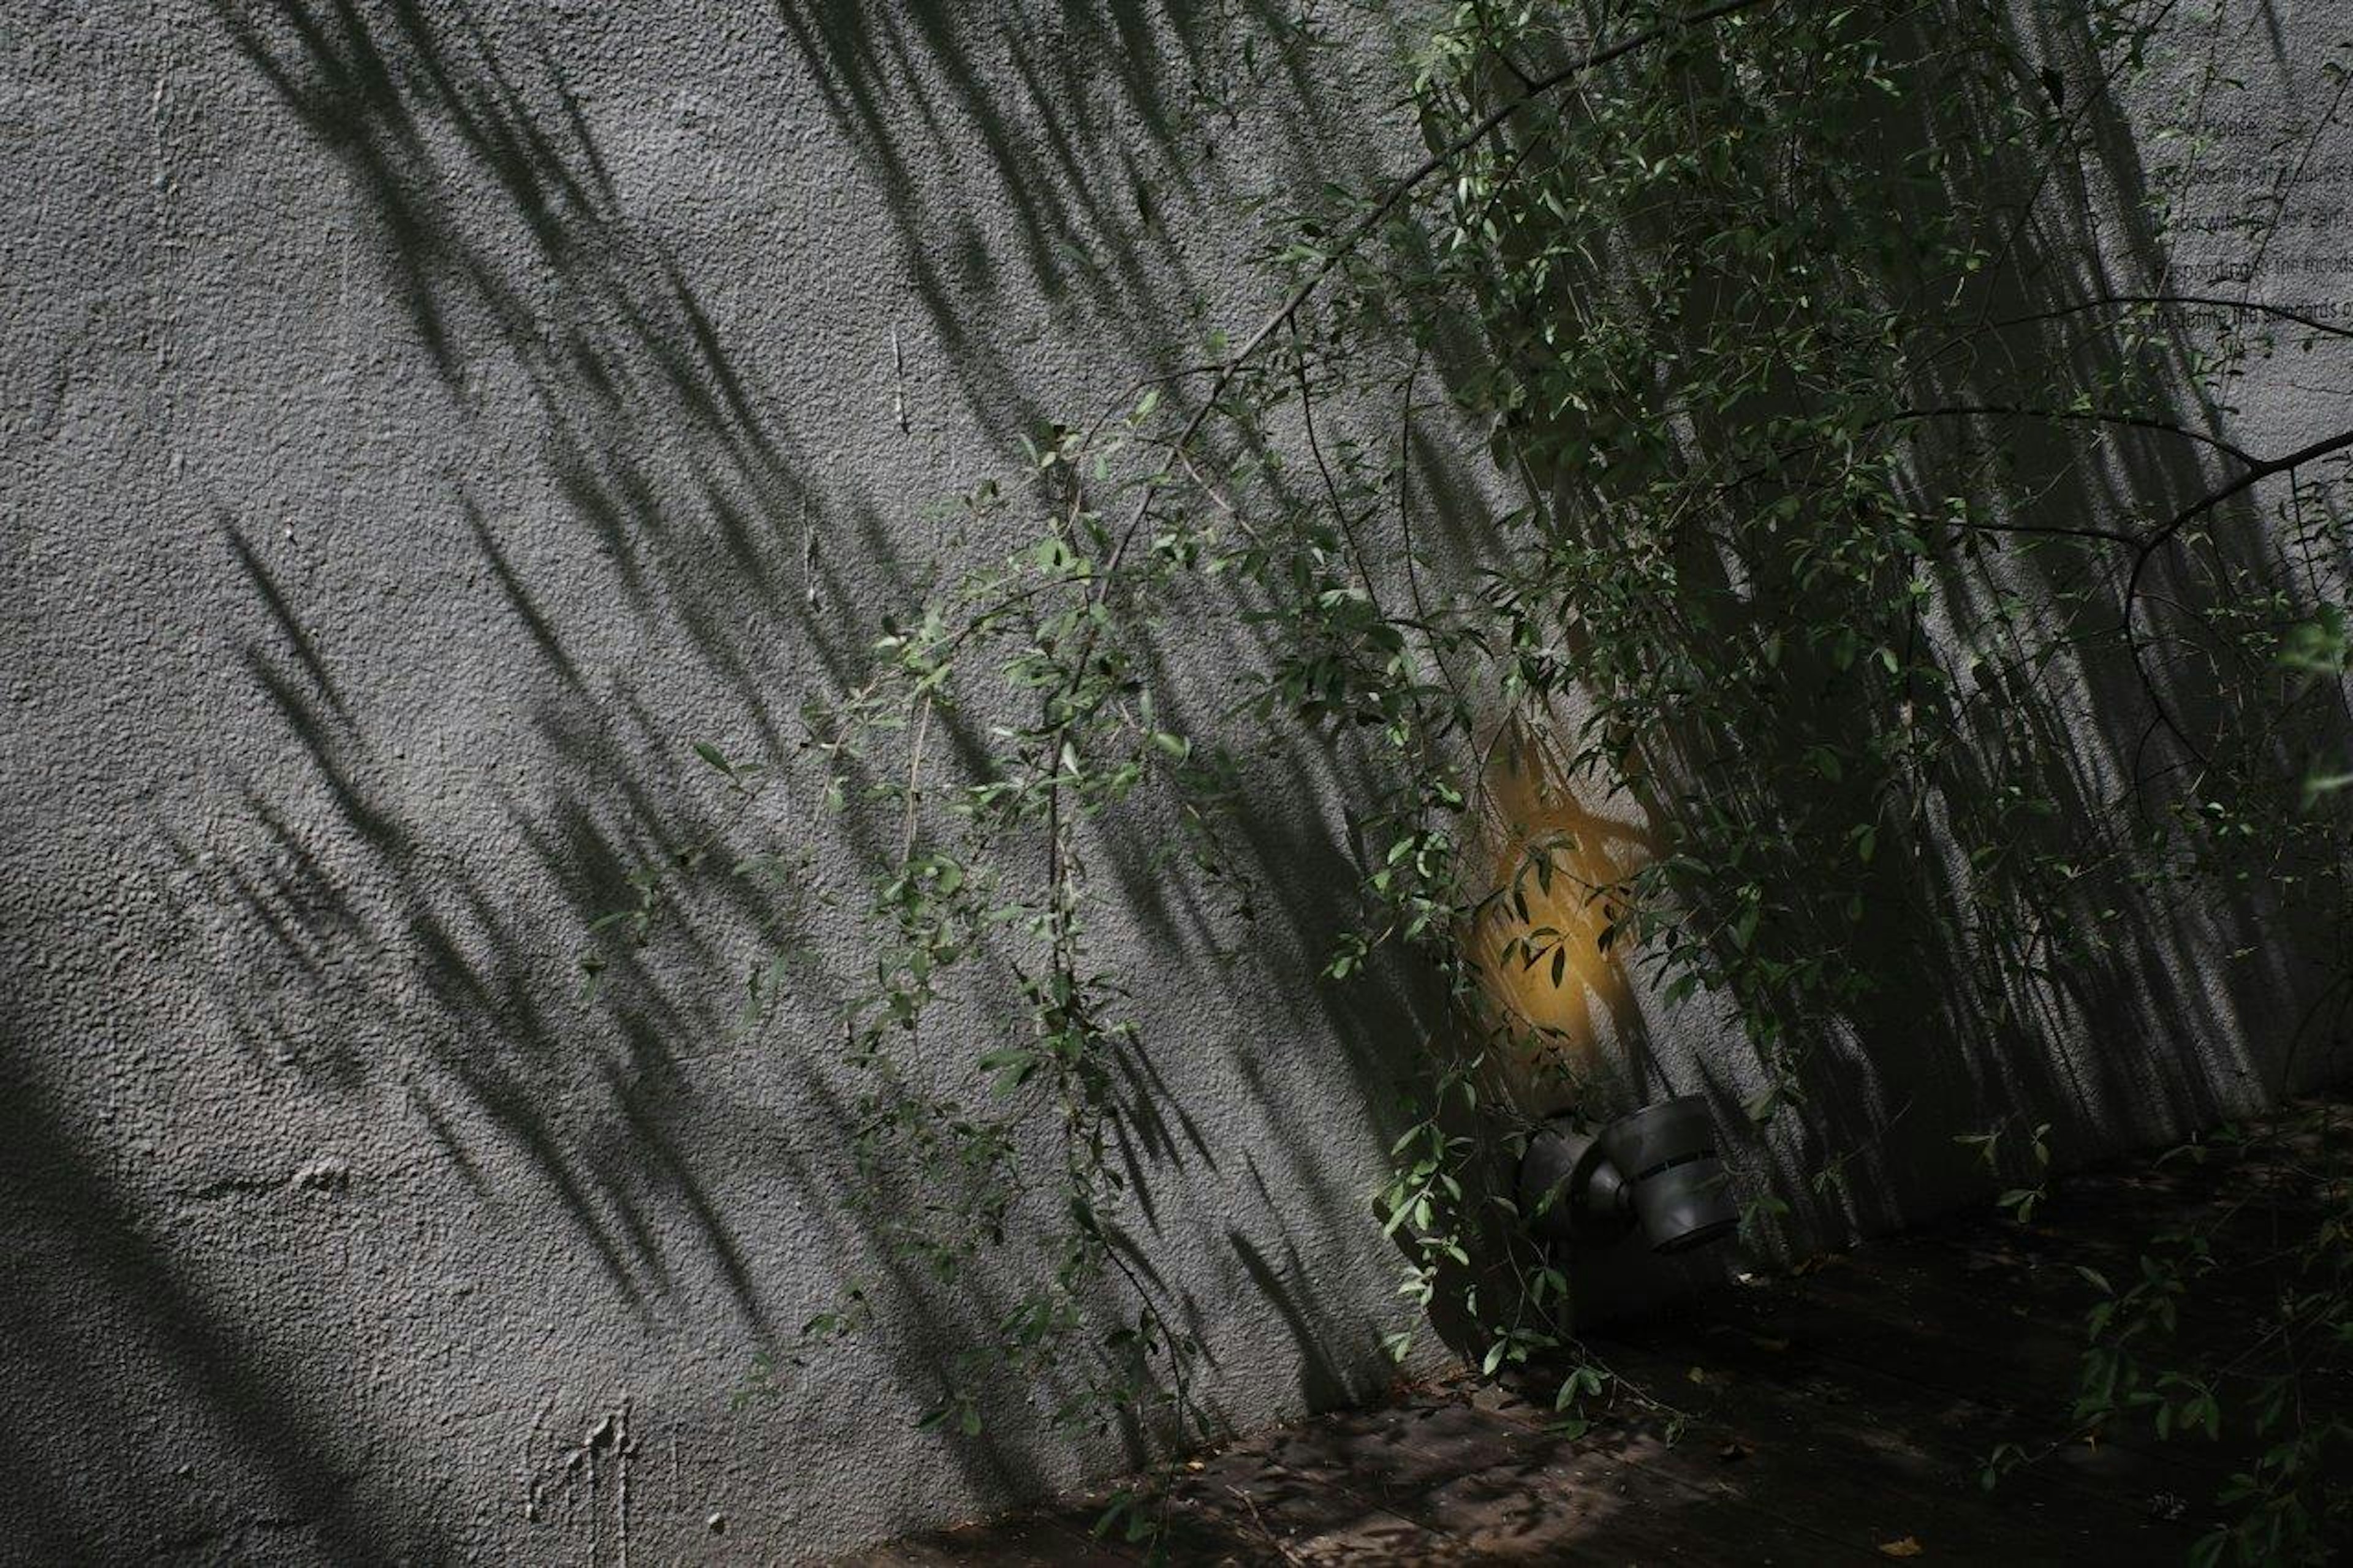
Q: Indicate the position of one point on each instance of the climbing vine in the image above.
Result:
(1862, 517)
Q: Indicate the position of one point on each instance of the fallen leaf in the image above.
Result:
(1735, 1450)
(1766, 1343)
(1908, 1547)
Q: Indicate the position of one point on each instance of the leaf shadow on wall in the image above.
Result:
(416, 916)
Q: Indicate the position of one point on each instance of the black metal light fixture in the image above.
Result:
(1656, 1168)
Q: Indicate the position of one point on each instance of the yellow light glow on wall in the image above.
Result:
(1568, 989)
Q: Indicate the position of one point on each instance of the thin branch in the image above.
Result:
(2085, 415)
(2256, 471)
(2202, 301)
(2056, 530)
(1331, 489)
(1358, 232)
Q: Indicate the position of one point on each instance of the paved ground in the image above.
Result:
(1837, 1414)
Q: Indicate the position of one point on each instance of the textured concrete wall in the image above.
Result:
(420, 422)
(417, 420)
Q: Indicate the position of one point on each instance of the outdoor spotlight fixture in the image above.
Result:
(1655, 1169)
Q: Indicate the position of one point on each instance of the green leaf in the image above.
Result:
(1119, 1504)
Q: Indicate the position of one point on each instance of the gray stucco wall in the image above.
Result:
(416, 419)
(416, 423)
